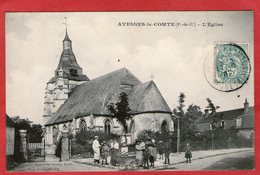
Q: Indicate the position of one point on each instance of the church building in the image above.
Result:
(73, 102)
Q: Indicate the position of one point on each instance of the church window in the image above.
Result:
(55, 133)
(132, 126)
(164, 127)
(82, 125)
(64, 127)
(108, 126)
(74, 72)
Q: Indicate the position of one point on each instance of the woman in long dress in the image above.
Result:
(114, 148)
(139, 152)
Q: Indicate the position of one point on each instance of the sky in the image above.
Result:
(173, 57)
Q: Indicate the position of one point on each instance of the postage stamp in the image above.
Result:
(232, 65)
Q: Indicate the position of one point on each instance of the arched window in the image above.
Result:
(164, 127)
(64, 127)
(82, 125)
(132, 126)
(107, 126)
(55, 133)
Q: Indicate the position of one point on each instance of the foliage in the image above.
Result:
(192, 114)
(179, 111)
(34, 131)
(186, 119)
(157, 136)
(81, 146)
(211, 107)
(181, 117)
(145, 135)
(21, 123)
(122, 111)
(81, 151)
(85, 137)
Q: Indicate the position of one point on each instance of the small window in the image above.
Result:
(164, 127)
(222, 123)
(238, 122)
(64, 127)
(108, 126)
(74, 72)
(82, 125)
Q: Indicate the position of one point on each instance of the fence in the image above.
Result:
(36, 152)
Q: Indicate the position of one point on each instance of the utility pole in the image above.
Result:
(178, 134)
(212, 135)
(212, 140)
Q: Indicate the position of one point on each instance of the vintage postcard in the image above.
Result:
(130, 91)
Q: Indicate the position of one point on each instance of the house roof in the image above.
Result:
(9, 121)
(247, 119)
(94, 96)
(223, 115)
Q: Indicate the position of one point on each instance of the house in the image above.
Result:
(10, 141)
(73, 102)
(224, 119)
(245, 124)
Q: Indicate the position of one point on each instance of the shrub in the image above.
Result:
(81, 146)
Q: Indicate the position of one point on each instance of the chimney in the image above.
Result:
(206, 113)
(246, 106)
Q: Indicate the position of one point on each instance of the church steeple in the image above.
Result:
(67, 42)
(67, 75)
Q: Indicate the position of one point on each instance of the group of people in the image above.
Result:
(145, 150)
(105, 149)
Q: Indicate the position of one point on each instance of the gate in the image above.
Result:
(36, 151)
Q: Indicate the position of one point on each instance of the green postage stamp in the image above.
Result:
(232, 65)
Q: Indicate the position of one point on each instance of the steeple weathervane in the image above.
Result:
(65, 23)
(66, 41)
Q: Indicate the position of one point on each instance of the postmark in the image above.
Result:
(231, 66)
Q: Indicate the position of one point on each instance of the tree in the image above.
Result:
(122, 111)
(211, 107)
(193, 113)
(179, 111)
(180, 116)
(34, 131)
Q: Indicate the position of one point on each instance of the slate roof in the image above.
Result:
(94, 96)
(223, 115)
(9, 121)
(68, 61)
(67, 38)
(247, 119)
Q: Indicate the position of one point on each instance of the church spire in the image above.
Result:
(66, 42)
(66, 36)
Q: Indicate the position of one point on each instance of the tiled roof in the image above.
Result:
(9, 121)
(247, 119)
(223, 115)
(94, 96)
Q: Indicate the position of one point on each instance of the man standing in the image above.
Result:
(96, 149)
